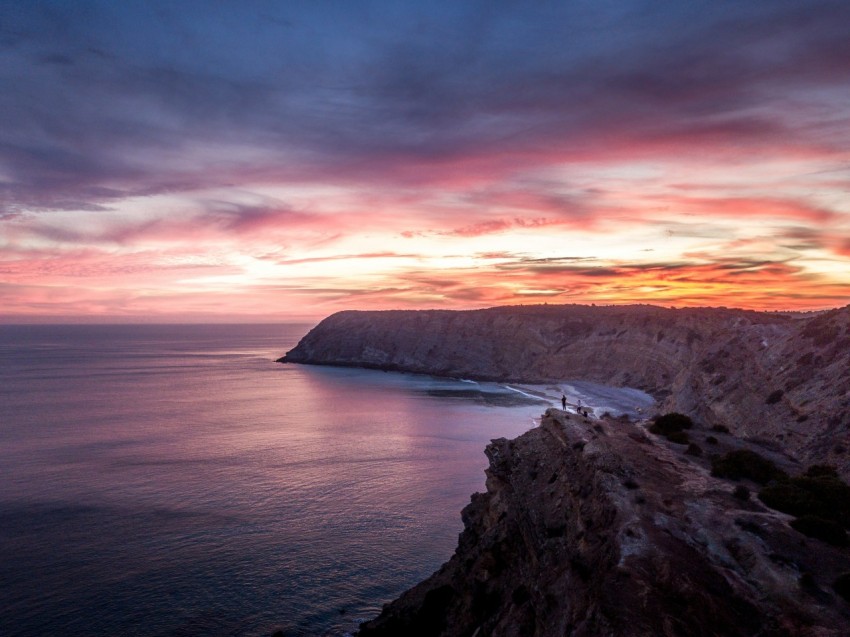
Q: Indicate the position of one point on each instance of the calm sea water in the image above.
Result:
(174, 480)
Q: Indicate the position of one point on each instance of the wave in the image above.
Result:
(519, 391)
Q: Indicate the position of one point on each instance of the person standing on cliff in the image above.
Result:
(563, 402)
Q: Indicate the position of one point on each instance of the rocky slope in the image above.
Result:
(592, 528)
(780, 379)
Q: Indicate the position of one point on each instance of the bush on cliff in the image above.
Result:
(827, 530)
(744, 463)
(671, 423)
(825, 496)
(679, 437)
(789, 498)
(693, 450)
(832, 492)
(821, 470)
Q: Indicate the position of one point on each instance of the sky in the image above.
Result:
(251, 160)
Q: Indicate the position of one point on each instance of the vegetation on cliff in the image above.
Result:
(745, 463)
(819, 499)
(672, 426)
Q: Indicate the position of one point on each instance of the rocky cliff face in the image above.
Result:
(592, 528)
(779, 379)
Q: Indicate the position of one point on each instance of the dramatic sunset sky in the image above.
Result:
(251, 160)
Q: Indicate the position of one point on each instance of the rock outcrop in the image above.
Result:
(591, 528)
(777, 378)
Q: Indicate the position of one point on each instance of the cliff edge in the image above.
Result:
(592, 528)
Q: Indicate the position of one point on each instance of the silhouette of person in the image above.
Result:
(563, 402)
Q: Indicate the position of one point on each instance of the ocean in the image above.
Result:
(174, 480)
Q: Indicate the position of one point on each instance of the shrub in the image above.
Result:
(774, 397)
(788, 498)
(821, 470)
(824, 496)
(671, 423)
(744, 463)
(828, 531)
(841, 585)
(711, 440)
(721, 429)
(831, 494)
(693, 450)
(679, 437)
(741, 493)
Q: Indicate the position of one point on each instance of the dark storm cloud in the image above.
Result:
(106, 100)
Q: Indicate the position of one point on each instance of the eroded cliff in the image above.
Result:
(783, 380)
(592, 528)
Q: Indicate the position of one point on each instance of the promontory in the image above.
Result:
(725, 514)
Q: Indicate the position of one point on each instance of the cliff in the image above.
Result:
(779, 379)
(592, 528)
(598, 528)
